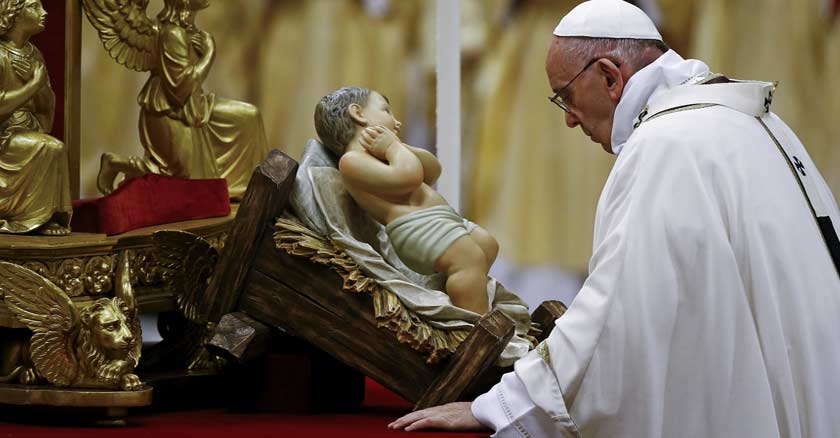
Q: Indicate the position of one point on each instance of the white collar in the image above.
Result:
(749, 97)
(668, 71)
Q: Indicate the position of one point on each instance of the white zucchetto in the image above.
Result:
(607, 19)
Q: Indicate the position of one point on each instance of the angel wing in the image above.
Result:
(127, 33)
(49, 313)
(188, 260)
(125, 291)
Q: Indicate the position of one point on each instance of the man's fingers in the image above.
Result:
(425, 423)
(407, 419)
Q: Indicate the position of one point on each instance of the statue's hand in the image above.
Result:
(197, 41)
(39, 76)
(377, 139)
(202, 42)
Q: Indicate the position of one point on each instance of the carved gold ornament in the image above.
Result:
(97, 347)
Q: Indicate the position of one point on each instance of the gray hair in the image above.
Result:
(332, 121)
(631, 51)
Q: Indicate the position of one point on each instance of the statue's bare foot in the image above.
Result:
(107, 173)
(53, 229)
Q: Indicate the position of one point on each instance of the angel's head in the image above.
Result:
(27, 17)
(179, 12)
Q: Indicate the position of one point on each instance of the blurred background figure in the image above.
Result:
(527, 178)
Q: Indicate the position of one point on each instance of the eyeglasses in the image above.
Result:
(559, 101)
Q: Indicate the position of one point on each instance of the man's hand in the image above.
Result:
(453, 416)
(377, 139)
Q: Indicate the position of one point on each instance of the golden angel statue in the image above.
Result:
(97, 347)
(34, 174)
(185, 132)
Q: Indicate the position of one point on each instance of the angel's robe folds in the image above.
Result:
(711, 305)
(189, 133)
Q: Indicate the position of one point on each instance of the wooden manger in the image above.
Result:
(301, 285)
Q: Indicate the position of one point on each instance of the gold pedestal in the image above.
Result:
(84, 266)
(87, 398)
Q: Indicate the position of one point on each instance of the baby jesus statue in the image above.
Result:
(392, 181)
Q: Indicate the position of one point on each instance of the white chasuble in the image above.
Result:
(711, 307)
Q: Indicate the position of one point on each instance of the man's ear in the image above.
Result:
(614, 79)
(355, 112)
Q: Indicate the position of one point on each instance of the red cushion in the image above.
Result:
(151, 200)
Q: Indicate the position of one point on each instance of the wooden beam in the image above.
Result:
(266, 197)
(240, 338)
(474, 357)
(545, 316)
(341, 333)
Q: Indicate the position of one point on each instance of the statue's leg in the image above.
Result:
(168, 146)
(34, 185)
(112, 165)
(177, 149)
(239, 144)
(465, 266)
(487, 243)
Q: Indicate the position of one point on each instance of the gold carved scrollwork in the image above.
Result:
(76, 276)
(218, 241)
(146, 270)
(97, 275)
(68, 276)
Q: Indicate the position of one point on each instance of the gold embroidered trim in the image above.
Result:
(434, 343)
(542, 349)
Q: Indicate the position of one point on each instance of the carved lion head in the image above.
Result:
(106, 333)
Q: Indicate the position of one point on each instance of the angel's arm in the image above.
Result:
(10, 100)
(182, 77)
(46, 101)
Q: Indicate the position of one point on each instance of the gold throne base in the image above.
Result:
(83, 265)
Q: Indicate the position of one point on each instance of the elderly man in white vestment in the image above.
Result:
(712, 302)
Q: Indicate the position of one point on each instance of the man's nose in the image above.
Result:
(571, 120)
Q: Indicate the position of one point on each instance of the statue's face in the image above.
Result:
(32, 18)
(377, 111)
(111, 330)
